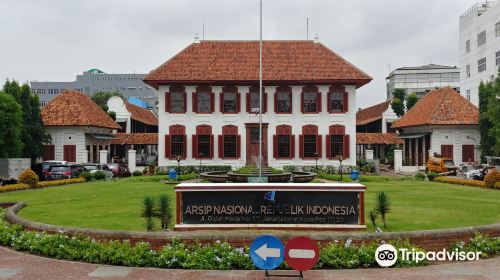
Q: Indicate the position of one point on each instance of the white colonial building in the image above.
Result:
(442, 122)
(209, 103)
(479, 49)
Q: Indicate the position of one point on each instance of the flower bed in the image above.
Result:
(17, 187)
(14, 187)
(460, 181)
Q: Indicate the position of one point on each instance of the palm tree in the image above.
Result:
(164, 212)
(373, 217)
(383, 205)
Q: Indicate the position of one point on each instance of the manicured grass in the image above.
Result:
(117, 204)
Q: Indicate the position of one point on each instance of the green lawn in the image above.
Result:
(117, 205)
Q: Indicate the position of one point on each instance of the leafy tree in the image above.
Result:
(487, 142)
(411, 100)
(33, 134)
(11, 123)
(400, 94)
(493, 115)
(398, 107)
(101, 98)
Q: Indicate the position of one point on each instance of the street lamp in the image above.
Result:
(200, 156)
(316, 155)
(340, 169)
(178, 158)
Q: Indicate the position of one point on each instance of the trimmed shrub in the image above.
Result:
(460, 181)
(99, 175)
(137, 173)
(125, 174)
(432, 176)
(87, 176)
(492, 178)
(29, 178)
(420, 176)
(497, 185)
(59, 182)
(14, 187)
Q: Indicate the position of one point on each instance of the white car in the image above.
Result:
(94, 167)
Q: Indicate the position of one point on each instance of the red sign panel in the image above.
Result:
(301, 253)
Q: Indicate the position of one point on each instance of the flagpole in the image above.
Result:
(260, 93)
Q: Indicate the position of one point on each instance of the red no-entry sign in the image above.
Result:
(301, 253)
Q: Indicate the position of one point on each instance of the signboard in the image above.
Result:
(257, 180)
(301, 253)
(336, 205)
(267, 252)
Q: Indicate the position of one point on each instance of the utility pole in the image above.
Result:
(260, 93)
(307, 28)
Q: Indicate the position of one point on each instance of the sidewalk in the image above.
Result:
(16, 265)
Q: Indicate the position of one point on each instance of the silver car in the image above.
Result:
(94, 167)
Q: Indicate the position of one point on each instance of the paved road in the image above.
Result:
(16, 265)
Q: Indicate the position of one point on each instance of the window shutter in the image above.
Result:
(276, 102)
(318, 102)
(167, 146)
(185, 145)
(346, 102)
(212, 102)
(328, 144)
(275, 146)
(238, 146)
(248, 102)
(185, 102)
(73, 153)
(302, 102)
(264, 102)
(195, 146)
(221, 102)
(167, 102)
(195, 102)
(301, 146)
(346, 146)
(292, 148)
(211, 146)
(318, 145)
(328, 97)
(220, 144)
(238, 102)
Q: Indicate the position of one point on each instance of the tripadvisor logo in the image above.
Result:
(386, 255)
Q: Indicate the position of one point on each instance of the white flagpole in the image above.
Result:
(260, 93)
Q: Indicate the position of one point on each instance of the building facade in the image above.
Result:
(443, 122)
(94, 80)
(422, 79)
(479, 47)
(209, 104)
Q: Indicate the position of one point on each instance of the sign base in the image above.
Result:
(300, 275)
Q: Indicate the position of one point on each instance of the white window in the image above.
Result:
(497, 58)
(468, 94)
(481, 65)
(467, 71)
(497, 29)
(467, 46)
(481, 38)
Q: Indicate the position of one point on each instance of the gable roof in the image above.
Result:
(377, 138)
(135, 139)
(443, 106)
(141, 115)
(73, 108)
(231, 61)
(372, 113)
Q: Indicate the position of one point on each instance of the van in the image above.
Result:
(441, 165)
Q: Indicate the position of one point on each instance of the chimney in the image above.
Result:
(196, 38)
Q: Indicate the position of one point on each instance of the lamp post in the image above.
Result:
(200, 155)
(316, 155)
(340, 160)
(178, 158)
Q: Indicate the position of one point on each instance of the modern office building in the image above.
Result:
(479, 47)
(95, 80)
(422, 79)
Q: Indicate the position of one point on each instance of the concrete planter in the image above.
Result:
(215, 176)
(303, 177)
(271, 178)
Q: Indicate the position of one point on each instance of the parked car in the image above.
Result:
(94, 167)
(117, 168)
(64, 171)
(46, 165)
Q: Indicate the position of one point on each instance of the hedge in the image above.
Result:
(43, 184)
(14, 187)
(460, 181)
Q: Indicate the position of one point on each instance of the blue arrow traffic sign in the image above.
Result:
(267, 252)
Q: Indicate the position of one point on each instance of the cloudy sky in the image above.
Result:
(53, 40)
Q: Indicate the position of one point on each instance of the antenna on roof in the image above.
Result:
(316, 38)
(307, 28)
(203, 32)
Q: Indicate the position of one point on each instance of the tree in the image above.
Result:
(383, 206)
(33, 134)
(493, 115)
(101, 98)
(400, 94)
(398, 107)
(11, 123)
(487, 142)
(411, 100)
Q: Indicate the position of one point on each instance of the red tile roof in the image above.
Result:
(372, 113)
(73, 108)
(141, 115)
(230, 61)
(377, 138)
(135, 139)
(443, 106)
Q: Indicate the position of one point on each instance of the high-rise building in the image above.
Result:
(479, 47)
(422, 79)
(95, 80)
